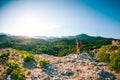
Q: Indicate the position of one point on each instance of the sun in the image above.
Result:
(32, 25)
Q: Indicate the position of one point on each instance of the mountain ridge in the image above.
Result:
(82, 35)
(54, 46)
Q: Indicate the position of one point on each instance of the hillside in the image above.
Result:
(24, 65)
(111, 55)
(53, 46)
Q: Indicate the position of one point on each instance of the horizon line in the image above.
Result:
(38, 36)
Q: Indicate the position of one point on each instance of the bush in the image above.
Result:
(12, 66)
(29, 57)
(104, 57)
(18, 74)
(112, 48)
(115, 62)
(43, 62)
(15, 70)
(4, 57)
(110, 54)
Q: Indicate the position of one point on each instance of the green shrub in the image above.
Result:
(112, 48)
(4, 57)
(29, 57)
(15, 70)
(104, 57)
(110, 54)
(25, 52)
(12, 66)
(43, 62)
(18, 74)
(115, 62)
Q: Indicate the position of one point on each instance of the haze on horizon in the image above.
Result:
(60, 17)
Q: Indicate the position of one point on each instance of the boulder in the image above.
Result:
(67, 72)
(102, 64)
(46, 78)
(83, 56)
(56, 78)
(30, 64)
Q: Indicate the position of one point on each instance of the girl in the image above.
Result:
(78, 47)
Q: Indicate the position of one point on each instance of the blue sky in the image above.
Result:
(60, 17)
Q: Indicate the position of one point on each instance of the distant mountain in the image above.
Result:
(2, 34)
(82, 36)
(4, 37)
(76, 36)
(85, 36)
(43, 37)
(79, 36)
(58, 46)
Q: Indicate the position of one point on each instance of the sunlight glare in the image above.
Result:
(32, 25)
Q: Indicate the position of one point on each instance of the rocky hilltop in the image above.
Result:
(70, 67)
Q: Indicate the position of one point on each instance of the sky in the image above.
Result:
(60, 17)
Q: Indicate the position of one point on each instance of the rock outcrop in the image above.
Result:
(72, 67)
